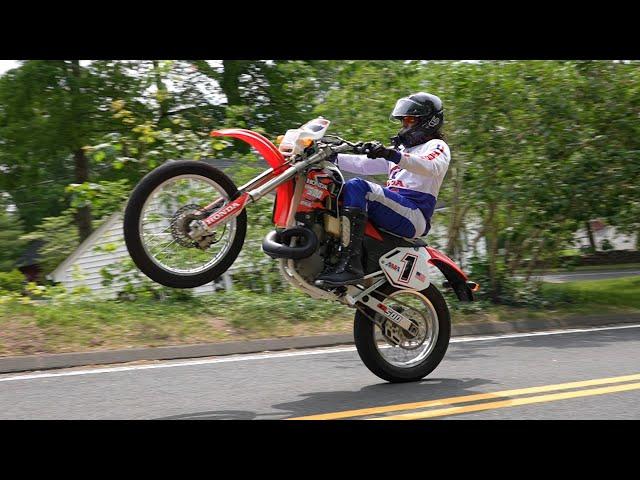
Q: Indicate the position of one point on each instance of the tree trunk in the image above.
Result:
(230, 85)
(230, 82)
(457, 213)
(592, 241)
(163, 96)
(83, 214)
(491, 236)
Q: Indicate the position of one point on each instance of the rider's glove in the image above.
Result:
(378, 150)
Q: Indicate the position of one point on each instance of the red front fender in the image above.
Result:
(267, 149)
(284, 193)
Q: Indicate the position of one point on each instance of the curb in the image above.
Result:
(68, 360)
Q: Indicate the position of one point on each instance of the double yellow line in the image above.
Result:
(501, 400)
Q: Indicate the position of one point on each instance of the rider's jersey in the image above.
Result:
(417, 176)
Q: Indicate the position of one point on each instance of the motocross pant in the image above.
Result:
(387, 209)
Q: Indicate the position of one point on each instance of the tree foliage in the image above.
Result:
(539, 147)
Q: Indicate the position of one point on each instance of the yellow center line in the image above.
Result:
(512, 403)
(467, 398)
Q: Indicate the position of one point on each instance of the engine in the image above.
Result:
(317, 211)
(318, 229)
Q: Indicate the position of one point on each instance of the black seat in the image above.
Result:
(373, 249)
(404, 242)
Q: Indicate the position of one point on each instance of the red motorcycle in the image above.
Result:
(185, 224)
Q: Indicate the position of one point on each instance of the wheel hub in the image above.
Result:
(182, 228)
(397, 336)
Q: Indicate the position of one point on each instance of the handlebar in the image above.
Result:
(340, 145)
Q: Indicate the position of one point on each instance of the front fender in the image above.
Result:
(275, 159)
(267, 149)
(456, 278)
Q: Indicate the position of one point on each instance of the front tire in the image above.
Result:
(364, 332)
(134, 231)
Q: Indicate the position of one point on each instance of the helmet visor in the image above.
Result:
(406, 107)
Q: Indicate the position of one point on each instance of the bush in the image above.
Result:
(512, 291)
(132, 285)
(13, 281)
(606, 245)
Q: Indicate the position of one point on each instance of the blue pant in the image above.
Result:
(387, 209)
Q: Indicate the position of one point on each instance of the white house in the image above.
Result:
(105, 247)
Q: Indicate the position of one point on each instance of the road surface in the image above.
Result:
(574, 374)
(579, 276)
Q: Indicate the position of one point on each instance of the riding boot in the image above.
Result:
(349, 269)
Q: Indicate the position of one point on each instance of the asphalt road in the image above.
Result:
(521, 376)
(578, 276)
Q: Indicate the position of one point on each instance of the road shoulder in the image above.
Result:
(107, 357)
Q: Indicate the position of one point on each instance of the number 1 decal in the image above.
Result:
(409, 261)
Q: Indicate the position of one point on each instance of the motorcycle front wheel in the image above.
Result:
(156, 223)
(413, 358)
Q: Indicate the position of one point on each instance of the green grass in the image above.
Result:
(99, 324)
(592, 268)
(611, 296)
(617, 293)
(68, 326)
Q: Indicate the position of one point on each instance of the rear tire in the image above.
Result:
(364, 333)
(133, 211)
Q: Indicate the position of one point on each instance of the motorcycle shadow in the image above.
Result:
(220, 415)
(377, 395)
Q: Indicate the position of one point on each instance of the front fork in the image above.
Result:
(252, 192)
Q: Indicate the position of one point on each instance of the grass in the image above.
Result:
(616, 293)
(101, 324)
(57, 327)
(593, 268)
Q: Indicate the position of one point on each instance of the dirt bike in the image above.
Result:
(185, 224)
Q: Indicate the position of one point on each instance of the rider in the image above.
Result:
(416, 167)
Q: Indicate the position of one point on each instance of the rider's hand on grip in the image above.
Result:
(371, 149)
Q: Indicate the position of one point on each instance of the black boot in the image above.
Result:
(349, 269)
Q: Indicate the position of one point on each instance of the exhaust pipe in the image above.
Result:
(276, 244)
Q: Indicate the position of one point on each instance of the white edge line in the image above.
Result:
(315, 351)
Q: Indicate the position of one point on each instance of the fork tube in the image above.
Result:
(262, 190)
(257, 181)
(297, 195)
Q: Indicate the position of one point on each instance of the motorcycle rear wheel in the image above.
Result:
(373, 348)
(136, 238)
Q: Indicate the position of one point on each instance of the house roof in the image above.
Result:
(97, 233)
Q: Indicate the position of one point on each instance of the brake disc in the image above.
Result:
(180, 227)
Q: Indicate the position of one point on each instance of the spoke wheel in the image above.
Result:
(160, 215)
(394, 355)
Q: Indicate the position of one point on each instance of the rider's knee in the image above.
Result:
(357, 185)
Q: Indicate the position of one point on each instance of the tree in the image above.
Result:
(49, 111)
(11, 245)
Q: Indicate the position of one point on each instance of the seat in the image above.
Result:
(415, 242)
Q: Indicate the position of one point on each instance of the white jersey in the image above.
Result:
(418, 175)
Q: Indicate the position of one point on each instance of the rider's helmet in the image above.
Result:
(421, 115)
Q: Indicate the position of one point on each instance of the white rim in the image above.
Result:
(159, 248)
(408, 358)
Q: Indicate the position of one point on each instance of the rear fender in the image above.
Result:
(275, 159)
(456, 279)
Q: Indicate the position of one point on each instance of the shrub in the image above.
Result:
(13, 281)
(510, 290)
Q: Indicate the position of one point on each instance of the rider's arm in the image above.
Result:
(433, 161)
(362, 165)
